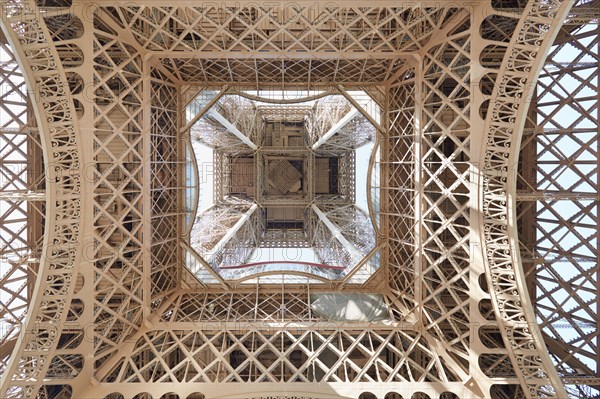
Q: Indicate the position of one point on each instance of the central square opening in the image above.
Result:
(287, 195)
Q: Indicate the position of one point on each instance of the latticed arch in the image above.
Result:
(431, 166)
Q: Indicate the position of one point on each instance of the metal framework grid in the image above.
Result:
(108, 314)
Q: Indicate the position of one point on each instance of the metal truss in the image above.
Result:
(351, 226)
(164, 183)
(346, 177)
(231, 126)
(111, 312)
(558, 232)
(22, 202)
(327, 113)
(122, 190)
(334, 129)
(328, 248)
(36, 356)
(284, 113)
(282, 237)
(357, 132)
(506, 282)
(224, 223)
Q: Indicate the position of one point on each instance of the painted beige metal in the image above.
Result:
(461, 322)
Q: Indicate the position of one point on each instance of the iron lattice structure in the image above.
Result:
(483, 200)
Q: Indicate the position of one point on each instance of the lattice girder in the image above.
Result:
(22, 198)
(34, 355)
(446, 212)
(557, 190)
